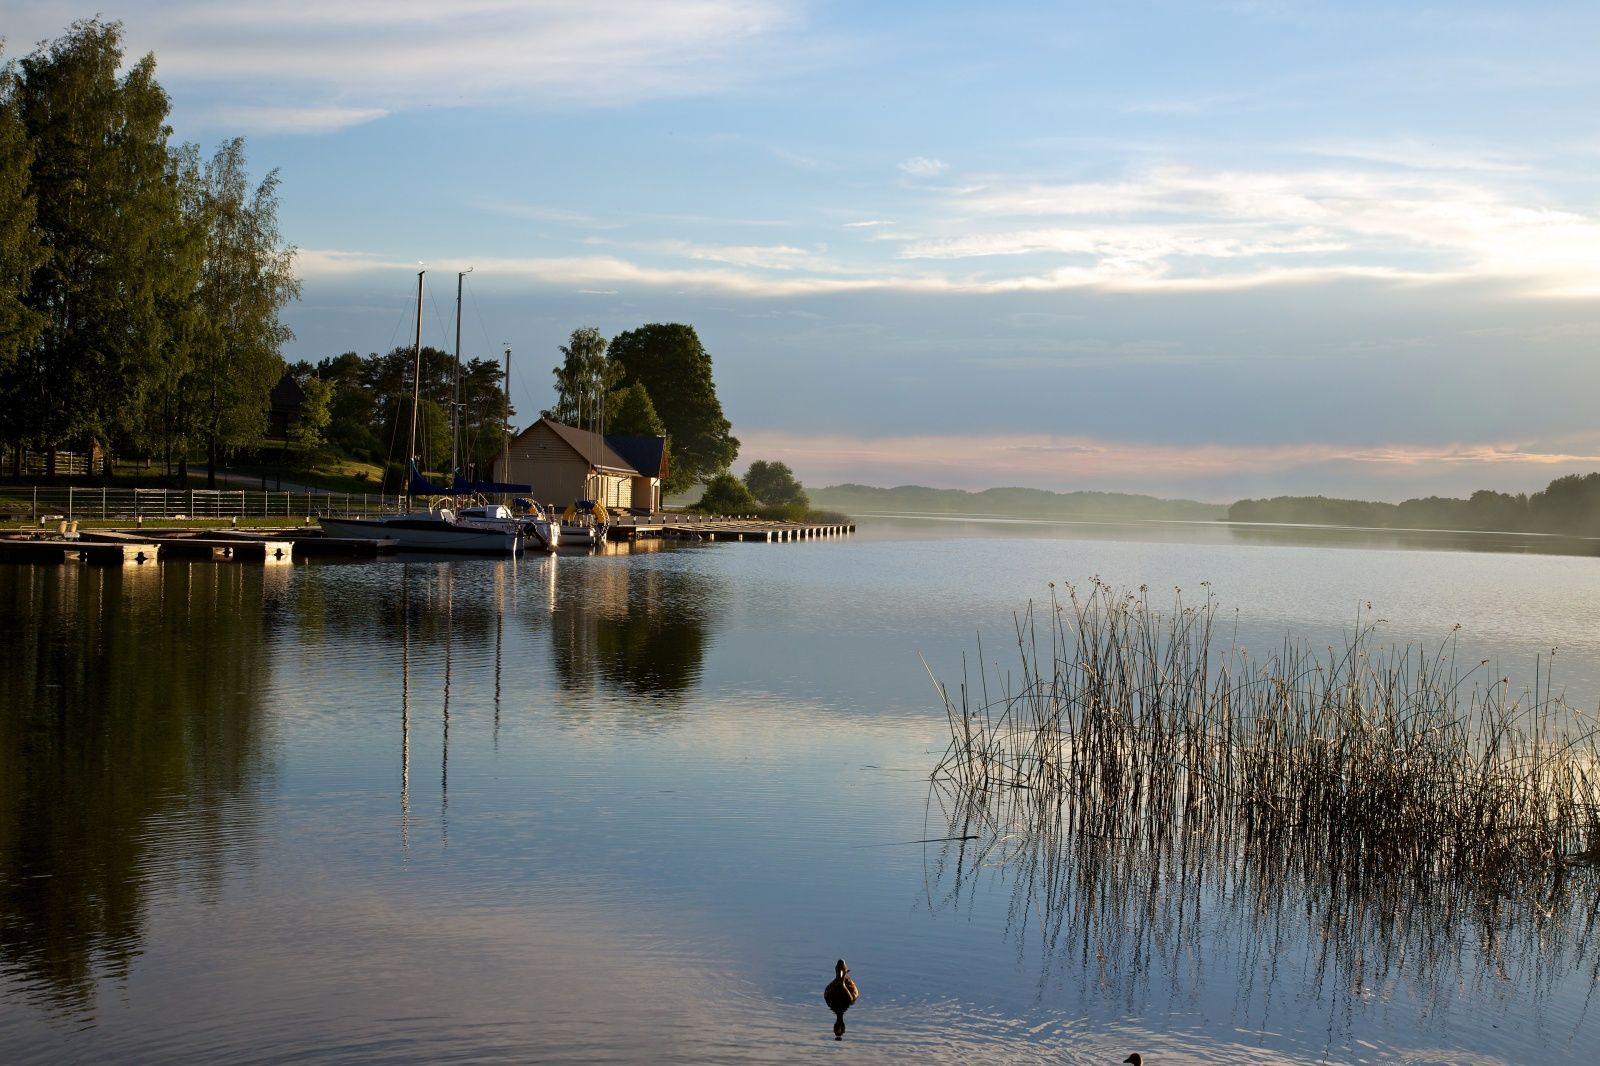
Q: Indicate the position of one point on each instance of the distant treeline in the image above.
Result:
(1012, 502)
(1568, 505)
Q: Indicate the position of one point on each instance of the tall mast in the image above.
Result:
(455, 387)
(416, 387)
(505, 421)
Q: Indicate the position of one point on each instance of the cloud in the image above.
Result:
(1177, 229)
(313, 119)
(364, 56)
(922, 167)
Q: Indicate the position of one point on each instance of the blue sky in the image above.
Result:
(1201, 249)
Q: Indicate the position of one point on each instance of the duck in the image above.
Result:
(1135, 1059)
(840, 993)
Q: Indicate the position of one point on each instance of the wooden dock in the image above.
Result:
(63, 549)
(695, 527)
(224, 544)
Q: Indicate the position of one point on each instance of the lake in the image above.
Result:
(631, 807)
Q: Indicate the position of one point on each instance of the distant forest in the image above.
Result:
(1012, 502)
(1568, 505)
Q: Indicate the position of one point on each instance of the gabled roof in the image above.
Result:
(287, 394)
(648, 455)
(641, 456)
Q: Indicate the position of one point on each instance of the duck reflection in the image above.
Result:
(131, 746)
(840, 995)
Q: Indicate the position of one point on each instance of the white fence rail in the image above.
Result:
(33, 503)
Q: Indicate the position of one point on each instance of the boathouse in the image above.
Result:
(563, 463)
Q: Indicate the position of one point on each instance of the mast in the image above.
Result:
(505, 420)
(455, 385)
(416, 389)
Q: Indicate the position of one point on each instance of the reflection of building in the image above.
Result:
(563, 464)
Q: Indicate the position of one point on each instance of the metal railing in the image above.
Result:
(35, 503)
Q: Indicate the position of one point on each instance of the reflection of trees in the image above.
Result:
(129, 728)
(637, 630)
(1416, 539)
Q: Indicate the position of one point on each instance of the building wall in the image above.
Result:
(558, 475)
(647, 493)
(543, 460)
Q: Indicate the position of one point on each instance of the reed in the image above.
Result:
(1124, 720)
(1136, 774)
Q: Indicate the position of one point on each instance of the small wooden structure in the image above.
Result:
(562, 463)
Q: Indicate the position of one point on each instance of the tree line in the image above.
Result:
(360, 407)
(140, 282)
(1568, 505)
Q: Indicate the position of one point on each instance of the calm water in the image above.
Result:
(631, 808)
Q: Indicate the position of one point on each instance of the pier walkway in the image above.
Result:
(698, 527)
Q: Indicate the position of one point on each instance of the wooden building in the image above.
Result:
(563, 464)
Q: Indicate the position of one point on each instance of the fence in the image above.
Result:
(33, 503)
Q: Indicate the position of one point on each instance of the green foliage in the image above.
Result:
(630, 413)
(483, 421)
(675, 369)
(21, 251)
(370, 407)
(246, 280)
(583, 381)
(774, 485)
(316, 411)
(107, 210)
(726, 494)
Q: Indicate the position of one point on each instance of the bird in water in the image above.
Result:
(840, 993)
(1135, 1059)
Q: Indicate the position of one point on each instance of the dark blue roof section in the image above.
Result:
(648, 455)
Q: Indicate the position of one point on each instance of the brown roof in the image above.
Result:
(591, 446)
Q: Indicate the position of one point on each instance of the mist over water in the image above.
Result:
(633, 806)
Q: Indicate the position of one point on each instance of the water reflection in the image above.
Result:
(131, 754)
(636, 630)
(1131, 909)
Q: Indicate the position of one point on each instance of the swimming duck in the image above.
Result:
(1135, 1059)
(840, 993)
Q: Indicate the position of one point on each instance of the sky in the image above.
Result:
(1209, 250)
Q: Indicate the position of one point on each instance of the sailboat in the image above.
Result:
(485, 529)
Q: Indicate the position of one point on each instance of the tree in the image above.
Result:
(630, 413)
(483, 416)
(675, 369)
(310, 429)
(726, 494)
(774, 485)
(583, 380)
(247, 278)
(21, 251)
(106, 208)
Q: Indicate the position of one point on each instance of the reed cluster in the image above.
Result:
(1126, 721)
(1147, 788)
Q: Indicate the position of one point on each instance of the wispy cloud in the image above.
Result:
(922, 167)
(310, 119)
(363, 56)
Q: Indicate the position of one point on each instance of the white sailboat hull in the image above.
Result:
(426, 533)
